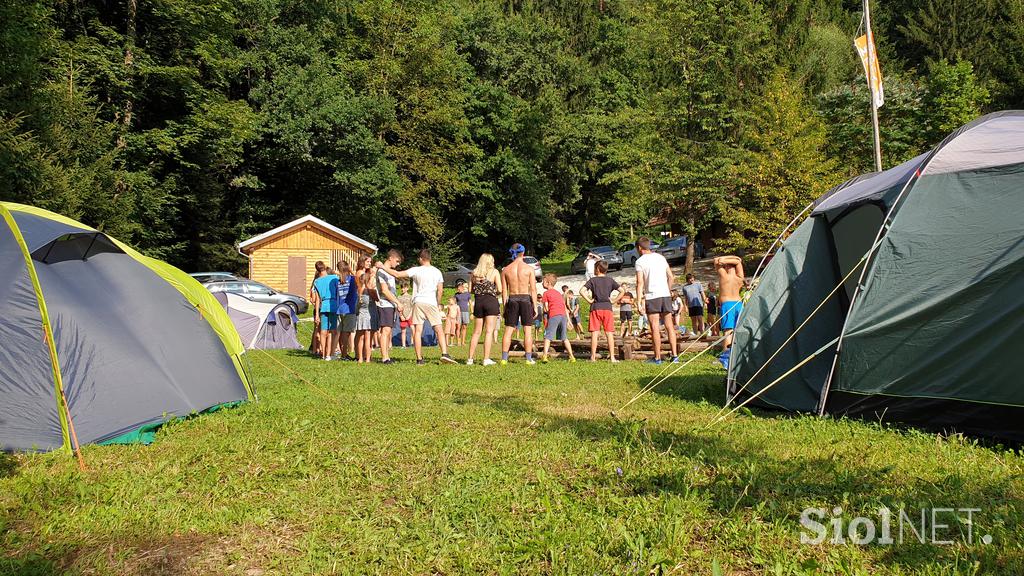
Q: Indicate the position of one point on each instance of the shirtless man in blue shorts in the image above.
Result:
(730, 280)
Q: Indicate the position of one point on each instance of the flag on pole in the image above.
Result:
(871, 68)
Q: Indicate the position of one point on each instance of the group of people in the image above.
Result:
(358, 308)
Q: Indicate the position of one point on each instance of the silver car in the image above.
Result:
(259, 293)
(538, 273)
(630, 253)
(606, 253)
(204, 277)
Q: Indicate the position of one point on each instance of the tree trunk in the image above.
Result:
(691, 241)
(120, 185)
(129, 61)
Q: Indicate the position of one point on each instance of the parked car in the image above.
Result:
(258, 292)
(606, 253)
(630, 253)
(460, 271)
(537, 272)
(204, 277)
(674, 249)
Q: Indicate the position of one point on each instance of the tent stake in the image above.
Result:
(74, 437)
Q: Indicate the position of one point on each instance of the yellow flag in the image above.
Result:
(874, 73)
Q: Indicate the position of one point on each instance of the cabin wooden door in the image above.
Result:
(297, 283)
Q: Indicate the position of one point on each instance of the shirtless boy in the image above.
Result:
(730, 280)
(519, 288)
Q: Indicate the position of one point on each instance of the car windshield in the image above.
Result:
(602, 249)
(254, 288)
(226, 287)
(530, 260)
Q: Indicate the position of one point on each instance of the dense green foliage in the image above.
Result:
(517, 469)
(183, 126)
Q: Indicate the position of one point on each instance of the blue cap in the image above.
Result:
(517, 249)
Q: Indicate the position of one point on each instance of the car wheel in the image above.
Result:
(294, 307)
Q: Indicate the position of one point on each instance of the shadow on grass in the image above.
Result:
(8, 465)
(742, 479)
(30, 566)
(156, 555)
(708, 388)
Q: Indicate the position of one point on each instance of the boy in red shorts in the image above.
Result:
(598, 291)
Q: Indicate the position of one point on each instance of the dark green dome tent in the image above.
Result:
(100, 342)
(928, 328)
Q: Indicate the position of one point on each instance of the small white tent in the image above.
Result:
(261, 325)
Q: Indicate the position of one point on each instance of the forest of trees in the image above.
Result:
(183, 126)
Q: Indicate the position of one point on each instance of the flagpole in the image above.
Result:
(871, 87)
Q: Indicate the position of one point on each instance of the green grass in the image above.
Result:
(504, 470)
(560, 267)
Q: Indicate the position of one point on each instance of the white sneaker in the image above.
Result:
(328, 359)
(531, 361)
(488, 362)
(469, 362)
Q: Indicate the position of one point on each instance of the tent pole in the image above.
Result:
(74, 437)
(728, 370)
(757, 270)
(882, 230)
(800, 327)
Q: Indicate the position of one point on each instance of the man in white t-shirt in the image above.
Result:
(427, 289)
(654, 281)
(588, 266)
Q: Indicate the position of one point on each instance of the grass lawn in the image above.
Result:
(560, 267)
(504, 470)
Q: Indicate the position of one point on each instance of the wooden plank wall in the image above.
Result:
(269, 262)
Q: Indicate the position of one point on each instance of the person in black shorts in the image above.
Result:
(712, 311)
(485, 284)
(520, 288)
(626, 314)
(519, 310)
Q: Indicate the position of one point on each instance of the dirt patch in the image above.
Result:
(248, 553)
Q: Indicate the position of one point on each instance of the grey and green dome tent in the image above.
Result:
(100, 342)
(928, 328)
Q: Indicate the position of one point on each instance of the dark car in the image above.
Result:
(204, 277)
(674, 249)
(456, 272)
(259, 293)
(606, 253)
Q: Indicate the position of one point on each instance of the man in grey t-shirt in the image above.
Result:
(388, 306)
(695, 301)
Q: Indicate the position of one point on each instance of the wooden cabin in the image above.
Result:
(284, 258)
